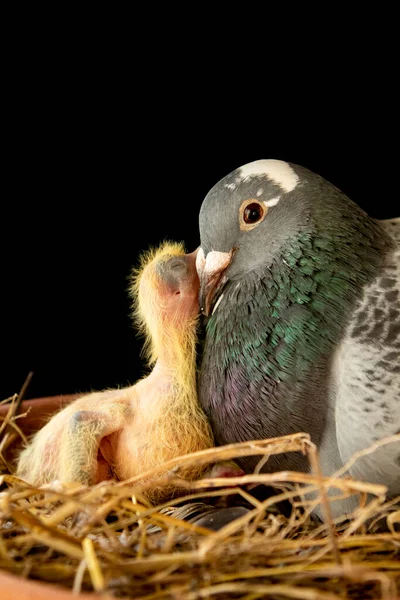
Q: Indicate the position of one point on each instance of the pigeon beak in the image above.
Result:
(211, 274)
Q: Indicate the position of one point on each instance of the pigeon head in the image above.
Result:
(253, 217)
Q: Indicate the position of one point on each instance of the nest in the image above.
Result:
(108, 539)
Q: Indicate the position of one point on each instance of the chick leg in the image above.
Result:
(81, 440)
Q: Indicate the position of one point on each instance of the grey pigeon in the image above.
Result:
(301, 293)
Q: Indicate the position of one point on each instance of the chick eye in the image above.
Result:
(251, 213)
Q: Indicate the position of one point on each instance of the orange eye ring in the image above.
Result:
(251, 213)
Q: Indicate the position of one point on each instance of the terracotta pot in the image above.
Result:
(13, 587)
(16, 588)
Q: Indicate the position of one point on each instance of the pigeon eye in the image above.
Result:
(251, 213)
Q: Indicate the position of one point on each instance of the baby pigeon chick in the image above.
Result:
(124, 432)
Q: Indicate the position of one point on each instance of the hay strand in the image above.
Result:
(108, 539)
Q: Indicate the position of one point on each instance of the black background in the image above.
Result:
(104, 162)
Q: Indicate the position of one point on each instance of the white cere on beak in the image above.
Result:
(272, 201)
(200, 262)
(278, 171)
(216, 262)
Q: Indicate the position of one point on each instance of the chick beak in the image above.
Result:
(211, 271)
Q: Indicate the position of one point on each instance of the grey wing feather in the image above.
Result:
(366, 376)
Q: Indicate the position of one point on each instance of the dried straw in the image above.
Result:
(107, 539)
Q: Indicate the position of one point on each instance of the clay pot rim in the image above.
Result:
(13, 586)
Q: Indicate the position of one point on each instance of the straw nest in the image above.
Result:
(106, 538)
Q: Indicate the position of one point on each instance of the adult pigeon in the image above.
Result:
(301, 290)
